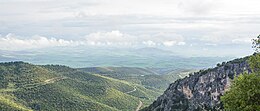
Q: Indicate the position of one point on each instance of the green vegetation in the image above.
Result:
(8, 103)
(244, 93)
(255, 62)
(256, 44)
(53, 87)
(144, 77)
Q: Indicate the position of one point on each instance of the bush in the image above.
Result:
(255, 62)
(244, 93)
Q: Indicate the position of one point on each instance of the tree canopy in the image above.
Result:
(256, 44)
(244, 93)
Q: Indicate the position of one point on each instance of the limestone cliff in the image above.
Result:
(200, 91)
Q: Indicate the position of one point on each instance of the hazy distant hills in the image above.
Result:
(150, 78)
(103, 57)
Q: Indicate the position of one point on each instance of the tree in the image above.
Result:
(256, 44)
(244, 93)
(254, 62)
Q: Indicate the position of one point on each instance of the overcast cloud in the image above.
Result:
(27, 24)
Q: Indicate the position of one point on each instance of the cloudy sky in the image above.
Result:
(196, 27)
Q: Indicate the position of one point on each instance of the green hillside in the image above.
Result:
(52, 87)
(149, 78)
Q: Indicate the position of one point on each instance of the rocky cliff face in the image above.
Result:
(200, 91)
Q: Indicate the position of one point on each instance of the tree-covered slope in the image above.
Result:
(150, 78)
(52, 87)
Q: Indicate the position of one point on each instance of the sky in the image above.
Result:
(188, 27)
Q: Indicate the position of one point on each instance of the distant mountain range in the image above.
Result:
(102, 57)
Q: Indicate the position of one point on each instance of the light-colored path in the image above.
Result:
(52, 80)
(139, 106)
(48, 81)
(131, 91)
(140, 102)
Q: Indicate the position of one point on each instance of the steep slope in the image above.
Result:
(200, 91)
(52, 87)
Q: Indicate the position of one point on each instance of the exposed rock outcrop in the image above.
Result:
(202, 90)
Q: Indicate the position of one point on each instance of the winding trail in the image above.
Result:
(47, 81)
(139, 106)
(140, 102)
(52, 80)
(131, 90)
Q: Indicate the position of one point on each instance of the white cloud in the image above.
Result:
(198, 6)
(242, 41)
(211, 44)
(227, 37)
(161, 21)
(173, 43)
(182, 43)
(169, 43)
(11, 42)
(115, 38)
(103, 39)
(149, 43)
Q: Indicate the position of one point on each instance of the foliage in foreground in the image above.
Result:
(244, 93)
